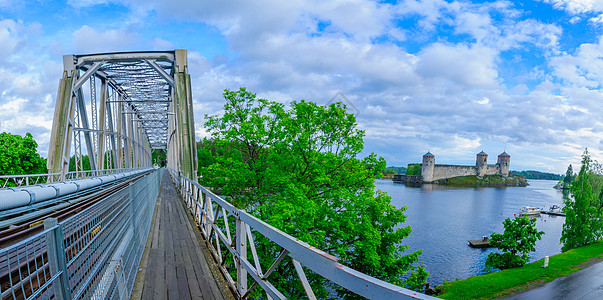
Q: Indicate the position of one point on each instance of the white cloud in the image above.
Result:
(575, 19)
(398, 34)
(465, 65)
(596, 20)
(484, 101)
(448, 93)
(577, 6)
(90, 40)
(507, 33)
(161, 44)
(584, 68)
(86, 3)
(12, 37)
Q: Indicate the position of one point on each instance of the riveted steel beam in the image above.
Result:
(78, 84)
(161, 72)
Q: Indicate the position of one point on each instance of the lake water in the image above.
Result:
(443, 218)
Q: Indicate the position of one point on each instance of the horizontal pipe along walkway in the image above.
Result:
(177, 263)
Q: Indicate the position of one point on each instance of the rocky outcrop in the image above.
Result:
(486, 180)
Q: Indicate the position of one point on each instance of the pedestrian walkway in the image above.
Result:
(585, 284)
(177, 263)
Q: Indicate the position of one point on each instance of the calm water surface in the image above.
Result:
(443, 218)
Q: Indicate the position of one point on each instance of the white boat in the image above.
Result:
(529, 210)
(555, 208)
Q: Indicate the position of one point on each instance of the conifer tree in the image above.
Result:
(569, 176)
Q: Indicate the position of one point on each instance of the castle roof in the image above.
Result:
(504, 154)
(482, 153)
(428, 154)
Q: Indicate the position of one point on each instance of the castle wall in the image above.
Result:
(491, 170)
(431, 172)
(448, 171)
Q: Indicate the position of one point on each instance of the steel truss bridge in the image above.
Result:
(124, 105)
(112, 110)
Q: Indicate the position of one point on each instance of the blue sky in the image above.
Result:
(451, 77)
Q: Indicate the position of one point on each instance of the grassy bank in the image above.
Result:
(509, 281)
(487, 180)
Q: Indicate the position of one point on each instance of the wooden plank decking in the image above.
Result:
(176, 263)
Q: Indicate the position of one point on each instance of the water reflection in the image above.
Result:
(443, 218)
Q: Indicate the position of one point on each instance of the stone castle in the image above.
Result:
(432, 172)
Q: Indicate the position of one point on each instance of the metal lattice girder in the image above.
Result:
(140, 94)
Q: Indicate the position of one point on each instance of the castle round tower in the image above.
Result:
(481, 164)
(428, 166)
(503, 164)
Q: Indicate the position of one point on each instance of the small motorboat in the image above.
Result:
(529, 211)
(555, 208)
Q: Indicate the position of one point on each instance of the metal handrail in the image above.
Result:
(27, 179)
(209, 210)
(33, 179)
(94, 254)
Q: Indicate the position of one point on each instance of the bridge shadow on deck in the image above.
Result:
(176, 263)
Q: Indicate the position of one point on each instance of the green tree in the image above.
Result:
(298, 170)
(569, 176)
(159, 157)
(583, 215)
(85, 163)
(397, 170)
(413, 169)
(530, 174)
(18, 155)
(518, 239)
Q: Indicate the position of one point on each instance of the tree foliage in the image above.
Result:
(298, 170)
(413, 169)
(85, 163)
(583, 214)
(396, 170)
(530, 174)
(569, 176)
(18, 155)
(518, 239)
(159, 157)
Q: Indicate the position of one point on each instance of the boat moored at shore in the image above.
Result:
(529, 211)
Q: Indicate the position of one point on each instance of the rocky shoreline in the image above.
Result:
(487, 180)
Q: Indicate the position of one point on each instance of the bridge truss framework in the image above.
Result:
(124, 105)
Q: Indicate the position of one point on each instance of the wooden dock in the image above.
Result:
(554, 213)
(482, 243)
(176, 263)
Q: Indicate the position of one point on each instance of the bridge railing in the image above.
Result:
(28, 179)
(33, 179)
(214, 216)
(94, 254)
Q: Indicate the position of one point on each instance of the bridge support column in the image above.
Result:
(62, 126)
(185, 124)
